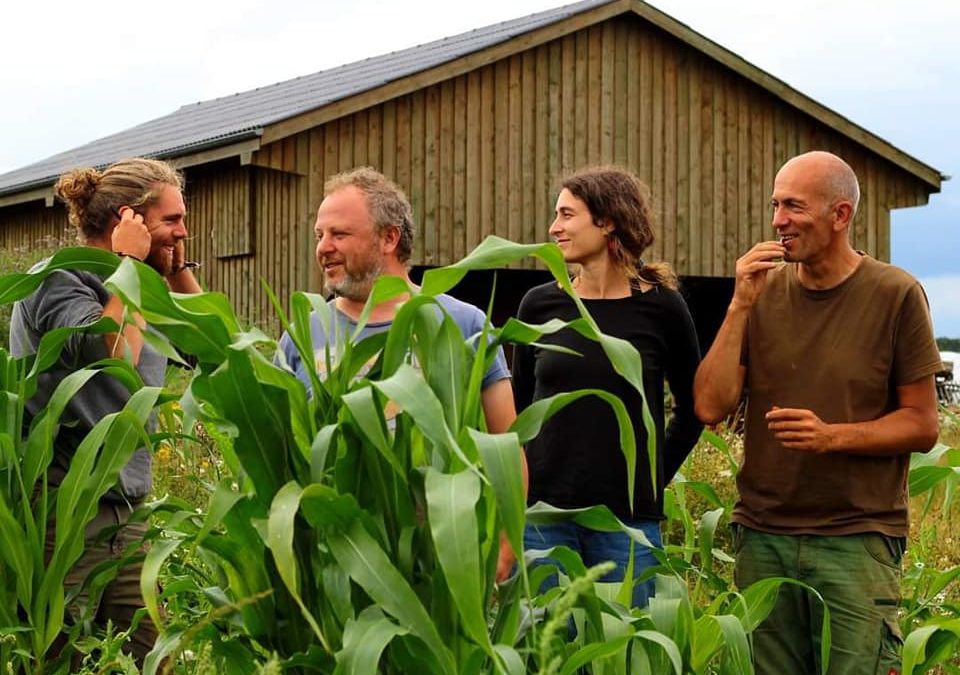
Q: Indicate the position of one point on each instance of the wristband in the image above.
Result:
(188, 265)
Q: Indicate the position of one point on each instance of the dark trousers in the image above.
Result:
(858, 576)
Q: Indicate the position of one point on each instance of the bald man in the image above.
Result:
(836, 355)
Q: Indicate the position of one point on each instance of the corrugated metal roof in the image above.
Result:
(229, 119)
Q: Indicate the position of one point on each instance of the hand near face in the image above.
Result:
(752, 268)
(130, 236)
(799, 429)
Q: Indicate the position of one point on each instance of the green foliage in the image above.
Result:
(946, 344)
(19, 260)
(33, 596)
(356, 530)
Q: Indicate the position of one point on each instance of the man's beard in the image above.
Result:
(161, 261)
(356, 285)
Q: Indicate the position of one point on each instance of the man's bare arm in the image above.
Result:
(912, 427)
(500, 413)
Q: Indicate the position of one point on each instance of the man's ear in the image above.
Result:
(390, 239)
(843, 215)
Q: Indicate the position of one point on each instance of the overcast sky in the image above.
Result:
(73, 72)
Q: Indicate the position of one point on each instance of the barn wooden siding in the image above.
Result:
(249, 224)
(31, 228)
(480, 153)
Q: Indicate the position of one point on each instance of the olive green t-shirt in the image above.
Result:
(841, 353)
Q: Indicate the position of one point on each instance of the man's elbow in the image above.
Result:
(707, 411)
(928, 432)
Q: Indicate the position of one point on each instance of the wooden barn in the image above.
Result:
(477, 128)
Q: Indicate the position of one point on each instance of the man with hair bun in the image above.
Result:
(133, 208)
(836, 355)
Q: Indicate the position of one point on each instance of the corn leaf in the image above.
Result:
(364, 640)
(451, 511)
(367, 564)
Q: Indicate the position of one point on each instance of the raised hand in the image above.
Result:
(751, 273)
(130, 237)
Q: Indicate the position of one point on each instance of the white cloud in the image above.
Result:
(944, 294)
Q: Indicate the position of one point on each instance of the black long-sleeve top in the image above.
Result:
(576, 460)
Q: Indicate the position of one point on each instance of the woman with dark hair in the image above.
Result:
(603, 225)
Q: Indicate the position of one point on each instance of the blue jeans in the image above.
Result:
(596, 547)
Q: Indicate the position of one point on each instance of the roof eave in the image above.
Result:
(241, 144)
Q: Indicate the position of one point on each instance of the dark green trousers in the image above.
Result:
(858, 576)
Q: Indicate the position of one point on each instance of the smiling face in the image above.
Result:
(349, 249)
(806, 218)
(575, 231)
(165, 221)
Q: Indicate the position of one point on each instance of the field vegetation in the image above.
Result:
(326, 534)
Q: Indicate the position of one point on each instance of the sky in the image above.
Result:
(74, 72)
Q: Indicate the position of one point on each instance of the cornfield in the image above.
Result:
(328, 535)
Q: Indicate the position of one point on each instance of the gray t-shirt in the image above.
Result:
(77, 298)
(468, 318)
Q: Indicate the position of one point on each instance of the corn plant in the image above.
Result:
(32, 593)
(357, 527)
(931, 617)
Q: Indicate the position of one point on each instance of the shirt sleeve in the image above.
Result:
(683, 357)
(523, 365)
(64, 300)
(287, 353)
(915, 350)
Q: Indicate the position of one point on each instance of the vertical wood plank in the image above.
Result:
(346, 144)
(668, 198)
(554, 164)
(300, 255)
(375, 138)
(645, 167)
(390, 141)
(404, 144)
(501, 149)
(445, 199)
(429, 211)
(620, 89)
(418, 166)
(708, 164)
(697, 227)
(568, 98)
(531, 150)
(475, 184)
(633, 93)
(731, 194)
(581, 85)
(514, 148)
(606, 62)
(679, 256)
(458, 231)
(487, 150)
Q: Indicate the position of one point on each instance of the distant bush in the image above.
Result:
(946, 344)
